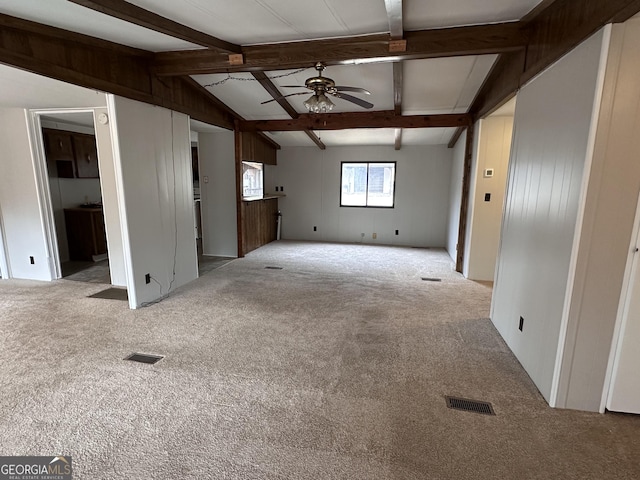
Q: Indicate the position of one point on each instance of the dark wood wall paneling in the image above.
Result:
(552, 33)
(256, 149)
(256, 219)
(260, 223)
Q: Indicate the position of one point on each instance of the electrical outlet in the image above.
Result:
(521, 324)
(397, 232)
(315, 229)
(32, 260)
(281, 188)
(147, 278)
(375, 235)
(487, 197)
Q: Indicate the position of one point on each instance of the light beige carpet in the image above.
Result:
(334, 367)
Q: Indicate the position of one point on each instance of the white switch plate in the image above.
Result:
(488, 173)
(205, 179)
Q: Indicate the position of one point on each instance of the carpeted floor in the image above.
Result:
(334, 367)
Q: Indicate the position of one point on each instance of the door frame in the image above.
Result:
(43, 189)
(630, 272)
(4, 264)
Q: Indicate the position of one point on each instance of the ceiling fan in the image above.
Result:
(321, 87)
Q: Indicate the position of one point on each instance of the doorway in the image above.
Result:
(70, 190)
(74, 184)
(623, 394)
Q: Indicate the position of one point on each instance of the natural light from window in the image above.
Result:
(252, 179)
(367, 184)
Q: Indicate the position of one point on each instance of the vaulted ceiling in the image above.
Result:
(426, 63)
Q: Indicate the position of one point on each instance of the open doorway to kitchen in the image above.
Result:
(72, 194)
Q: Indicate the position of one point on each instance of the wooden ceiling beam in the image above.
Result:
(270, 87)
(553, 32)
(434, 43)
(139, 16)
(102, 65)
(343, 121)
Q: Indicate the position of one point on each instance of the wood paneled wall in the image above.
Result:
(256, 149)
(256, 219)
(259, 219)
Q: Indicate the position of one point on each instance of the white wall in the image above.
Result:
(606, 231)
(153, 165)
(311, 181)
(216, 155)
(553, 123)
(483, 235)
(455, 195)
(21, 218)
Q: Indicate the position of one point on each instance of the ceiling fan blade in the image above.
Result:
(353, 89)
(356, 100)
(284, 96)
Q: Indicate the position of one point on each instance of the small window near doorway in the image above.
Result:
(252, 179)
(368, 184)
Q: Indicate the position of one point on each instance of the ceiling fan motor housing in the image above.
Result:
(321, 84)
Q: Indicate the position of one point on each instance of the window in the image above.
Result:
(367, 184)
(252, 179)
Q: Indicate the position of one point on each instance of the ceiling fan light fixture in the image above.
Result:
(319, 103)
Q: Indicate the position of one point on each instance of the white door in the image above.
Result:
(624, 392)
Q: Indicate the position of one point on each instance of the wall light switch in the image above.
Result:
(488, 173)
(205, 179)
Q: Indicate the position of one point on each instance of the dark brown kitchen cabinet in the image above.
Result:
(86, 156)
(75, 154)
(58, 145)
(85, 232)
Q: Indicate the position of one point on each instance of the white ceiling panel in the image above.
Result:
(265, 21)
(361, 136)
(201, 127)
(291, 139)
(366, 136)
(427, 136)
(421, 14)
(243, 94)
(443, 85)
(69, 16)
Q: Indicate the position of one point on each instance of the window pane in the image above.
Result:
(381, 183)
(354, 184)
(252, 179)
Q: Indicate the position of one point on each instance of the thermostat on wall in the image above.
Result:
(488, 173)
